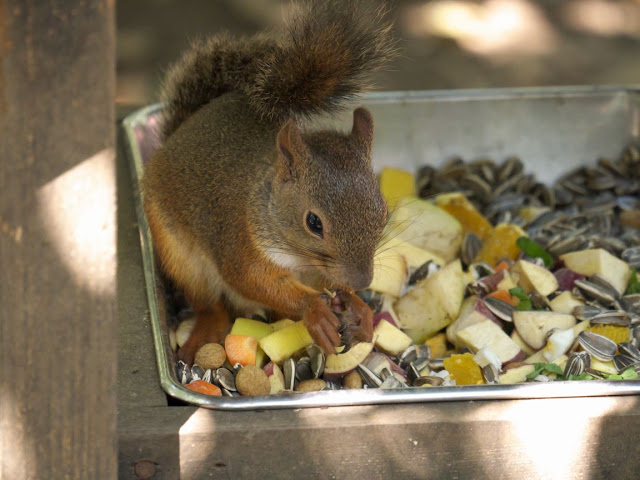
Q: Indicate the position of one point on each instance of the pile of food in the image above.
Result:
(483, 276)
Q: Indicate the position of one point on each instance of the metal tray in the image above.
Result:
(551, 129)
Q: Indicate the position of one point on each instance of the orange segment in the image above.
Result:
(241, 349)
(463, 369)
(202, 386)
(462, 209)
(437, 345)
(501, 244)
(617, 333)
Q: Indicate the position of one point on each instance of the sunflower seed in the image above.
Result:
(632, 257)
(413, 353)
(289, 371)
(318, 360)
(577, 363)
(623, 362)
(595, 291)
(612, 317)
(370, 378)
(631, 303)
(500, 308)
(224, 378)
(597, 345)
(471, 245)
(630, 350)
(511, 166)
(490, 373)
(428, 380)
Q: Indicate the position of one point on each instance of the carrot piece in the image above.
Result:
(503, 265)
(202, 386)
(241, 349)
(505, 296)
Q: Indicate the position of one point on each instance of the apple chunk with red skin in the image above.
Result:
(472, 311)
(276, 377)
(599, 261)
(533, 325)
(432, 304)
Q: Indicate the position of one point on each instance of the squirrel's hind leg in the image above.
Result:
(212, 325)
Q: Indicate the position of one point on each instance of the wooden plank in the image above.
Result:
(57, 240)
(554, 438)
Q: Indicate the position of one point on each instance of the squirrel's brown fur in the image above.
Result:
(229, 194)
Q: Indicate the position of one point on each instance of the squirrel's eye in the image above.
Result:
(314, 224)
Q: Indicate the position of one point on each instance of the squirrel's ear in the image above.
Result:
(291, 151)
(362, 130)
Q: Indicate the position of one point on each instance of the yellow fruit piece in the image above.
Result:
(282, 344)
(437, 345)
(462, 209)
(617, 333)
(463, 369)
(500, 244)
(395, 184)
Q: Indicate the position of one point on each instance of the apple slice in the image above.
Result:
(340, 364)
(276, 377)
(414, 256)
(432, 304)
(487, 333)
(282, 344)
(565, 303)
(470, 313)
(534, 325)
(389, 273)
(426, 226)
(395, 184)
(516, 374)
(280, 324)
(390, 339)
(533, 278)
(515, 336)
(599, 261)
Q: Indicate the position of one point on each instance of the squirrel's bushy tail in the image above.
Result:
(329, 49)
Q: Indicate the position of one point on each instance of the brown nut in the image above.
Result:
(210, 355)
(252, 381)
(313, 385)
(352, 380)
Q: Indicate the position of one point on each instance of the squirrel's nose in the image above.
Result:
(361, 278)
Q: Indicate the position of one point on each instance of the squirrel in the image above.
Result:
(246, 208)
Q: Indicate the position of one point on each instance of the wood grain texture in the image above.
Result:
(57, 240)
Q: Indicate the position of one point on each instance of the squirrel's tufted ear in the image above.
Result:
(362, 130)
(292, 151)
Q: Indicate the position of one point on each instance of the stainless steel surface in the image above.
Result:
(551, 129)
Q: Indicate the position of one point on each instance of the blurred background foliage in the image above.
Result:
(446, 44)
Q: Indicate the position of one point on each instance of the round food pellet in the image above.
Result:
(352, 380)
(210, 355)
(252, 381)
(313, 385)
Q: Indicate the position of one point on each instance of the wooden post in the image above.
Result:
(57, 240)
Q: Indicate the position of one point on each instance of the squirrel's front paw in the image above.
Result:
(323, 325)
(356, 317)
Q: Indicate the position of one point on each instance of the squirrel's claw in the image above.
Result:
(323, 326)
(356, 316)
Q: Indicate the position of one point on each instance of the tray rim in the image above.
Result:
(533, 390)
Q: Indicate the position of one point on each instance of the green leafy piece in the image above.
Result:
(524, 302)
(544, 367)
(628, 374)
(533, 249)
(634, 284)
